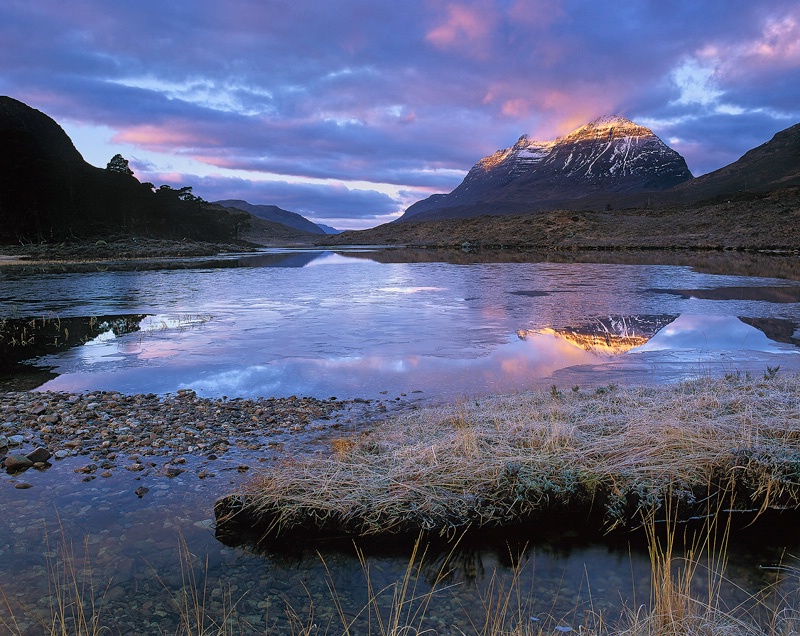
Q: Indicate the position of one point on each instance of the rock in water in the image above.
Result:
(16, 463)
(40, 455)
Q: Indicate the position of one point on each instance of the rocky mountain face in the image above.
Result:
(48, 193)
(275, 214)
(606, 156)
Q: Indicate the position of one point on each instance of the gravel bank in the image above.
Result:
(148, 433)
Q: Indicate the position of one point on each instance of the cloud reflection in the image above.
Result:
(710, 333)
(163, 361)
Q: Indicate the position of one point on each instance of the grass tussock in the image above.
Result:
(503, 460)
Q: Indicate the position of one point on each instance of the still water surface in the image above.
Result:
(344, 324)
(323, 324)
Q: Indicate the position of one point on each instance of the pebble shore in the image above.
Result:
(147, 433)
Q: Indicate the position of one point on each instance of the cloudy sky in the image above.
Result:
(348, 111)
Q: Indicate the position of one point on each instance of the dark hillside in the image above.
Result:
(763, 222)
(771, 166)
(274, 214)
(49, 193)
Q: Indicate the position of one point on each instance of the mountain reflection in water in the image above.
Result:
(634, 344)
(609, 336)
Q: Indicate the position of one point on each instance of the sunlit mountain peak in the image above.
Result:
(607, 128)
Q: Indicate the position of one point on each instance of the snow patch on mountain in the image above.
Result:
(609, 154)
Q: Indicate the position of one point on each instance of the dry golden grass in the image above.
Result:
(503, 460)
(75, 605)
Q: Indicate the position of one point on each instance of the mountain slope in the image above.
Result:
(769, 222)
(48, 193)
(269, 233)
(771, 166)
(607, 155)
(275, 214)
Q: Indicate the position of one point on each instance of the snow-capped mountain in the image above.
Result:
(607, 155)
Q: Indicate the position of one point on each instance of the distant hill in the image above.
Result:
(275, 214)
(262, 232)
(607, 157)
(328, 229)
(771, 166)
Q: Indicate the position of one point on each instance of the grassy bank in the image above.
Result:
(605, 454)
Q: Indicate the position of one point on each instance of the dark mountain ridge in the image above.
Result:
(773, 165)
(48, 193)
(275, 214)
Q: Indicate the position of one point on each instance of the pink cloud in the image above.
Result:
(775, 50)
(466, 28)
(779, 43)
(159, 137)
(221, 162)
(408, 118)
(174, 177)
(552, 100)
(517, 108)
(555, 109)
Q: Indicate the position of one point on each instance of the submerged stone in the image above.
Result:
(14, 463)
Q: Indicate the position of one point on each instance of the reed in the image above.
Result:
(76, 605)
(688, 569)
(398, 608)
(191, 601)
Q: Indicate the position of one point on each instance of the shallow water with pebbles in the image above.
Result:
(129, 478)
(139, 433)
(122, 509)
